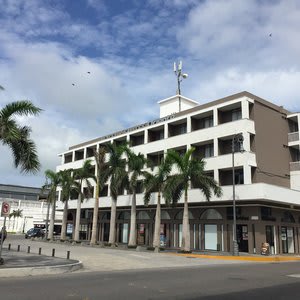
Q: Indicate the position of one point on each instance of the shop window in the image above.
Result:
(266, 214)
(165, 215)
(211, 214)
(106, 216)
(143, 215)
(124, 215)
(287, 217)
(238, 211)
(179, 215)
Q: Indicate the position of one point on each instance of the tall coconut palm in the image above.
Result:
(101, 178)
(155, 183)
(52, 182)
(82, 176)
(118, 182)
(136, 164)
(67, 183)
(190, 171)
(17, 137)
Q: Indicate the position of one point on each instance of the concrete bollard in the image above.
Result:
(28, 249)
(68, 254)
(53, 252)
(40, 251)
(19, 247)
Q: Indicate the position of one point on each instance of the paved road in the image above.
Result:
(119, 274)
(252, 281)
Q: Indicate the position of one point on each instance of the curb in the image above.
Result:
(43, 270)
(243, 258)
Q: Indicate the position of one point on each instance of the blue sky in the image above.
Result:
(129, 48)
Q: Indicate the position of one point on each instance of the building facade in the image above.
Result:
(32, 204)
(267, 175)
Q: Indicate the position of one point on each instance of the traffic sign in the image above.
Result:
(5, 210)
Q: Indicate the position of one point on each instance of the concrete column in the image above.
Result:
(246, 142)
(247, 174)
(146, 136)
(188, 124)
(245, 109)
(216, 147)
(215, 117)
(84, 152)
(216, 175)
(166, 134)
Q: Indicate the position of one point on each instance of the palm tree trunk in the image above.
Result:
(112, 228)
(95, 216)
(186, 240)
(64, 222)
(52, 220)
(77, 222)
(156, 237)
(132, 235)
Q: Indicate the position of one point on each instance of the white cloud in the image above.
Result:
(225, 46)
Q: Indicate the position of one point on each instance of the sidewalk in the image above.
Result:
(111, 259)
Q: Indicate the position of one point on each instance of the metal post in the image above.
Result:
(28, 249)
(2, 234)
(40, 251)
(53, 252)
(68, 254)
(235, 247)
(236, 140)
(18, 248)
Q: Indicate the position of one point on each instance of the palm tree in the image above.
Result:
(15, 214)
(190, 172)
(118, 181)
(82, 175)
(17, 137)
(101, 178)
(67, 183)
(155, 183)
(53, 180)
(136, 164)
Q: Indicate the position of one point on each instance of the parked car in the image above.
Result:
(34, 232)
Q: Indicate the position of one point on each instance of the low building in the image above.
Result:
(267, 175)
(32, 204)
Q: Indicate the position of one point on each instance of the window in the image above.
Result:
(239, 177)
(238, 212)
(209, 150)
(266, 214)
(208, 122)
(288, 217)
(236, 114)
(211, 214)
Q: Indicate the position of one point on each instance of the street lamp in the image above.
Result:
(237, 146)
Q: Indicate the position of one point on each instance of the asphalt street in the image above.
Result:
(255, 281)
(120, 274)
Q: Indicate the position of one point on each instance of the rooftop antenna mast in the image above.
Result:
(179, 75)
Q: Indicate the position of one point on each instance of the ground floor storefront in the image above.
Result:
(210, 227)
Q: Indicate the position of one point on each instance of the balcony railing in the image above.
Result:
(295, 166)
(293, 136)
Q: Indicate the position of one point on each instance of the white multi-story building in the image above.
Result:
(267, 175)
